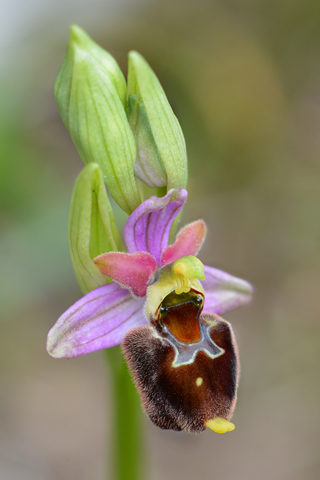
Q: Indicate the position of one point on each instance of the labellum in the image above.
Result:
(185, 365)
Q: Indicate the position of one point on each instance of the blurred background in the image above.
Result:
(244, 81)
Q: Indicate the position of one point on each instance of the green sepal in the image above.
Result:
(148, 167)
(158, 117)
(90, 93)
(92, 227)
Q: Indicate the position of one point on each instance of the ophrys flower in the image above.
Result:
(163, 307)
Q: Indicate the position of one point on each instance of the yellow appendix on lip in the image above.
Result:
(220, 425)
(186, 268)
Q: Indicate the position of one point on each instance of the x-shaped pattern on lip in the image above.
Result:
(185, 353)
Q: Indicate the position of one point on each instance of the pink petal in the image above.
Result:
(131, 270)
(148, 227)
(224, 292)
(188, 242)
(100, 319)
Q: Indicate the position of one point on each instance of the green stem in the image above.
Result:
(127, 418)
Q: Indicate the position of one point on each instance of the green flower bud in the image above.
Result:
(92, 227)
(148, 167)
(90, 94)
(161, 149)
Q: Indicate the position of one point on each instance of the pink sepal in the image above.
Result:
(101, 319)
(131, 270)
(148, 227)
(188, 242)
(224, 292)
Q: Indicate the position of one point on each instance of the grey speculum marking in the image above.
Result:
(183, 310)
(185, 353)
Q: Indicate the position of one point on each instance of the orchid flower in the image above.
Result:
(162, 307)
(157, 300)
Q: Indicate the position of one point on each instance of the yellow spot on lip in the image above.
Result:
(199, 381)
(220, 425)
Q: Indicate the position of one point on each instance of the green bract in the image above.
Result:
(92, 227)
(161, 149)
(90, 94)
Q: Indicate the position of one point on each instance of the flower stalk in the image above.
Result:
(128, 461)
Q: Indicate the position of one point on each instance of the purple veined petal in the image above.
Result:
(188, 242)
(131, 270)
(148, 227)
(223, 291)
(98, 320)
